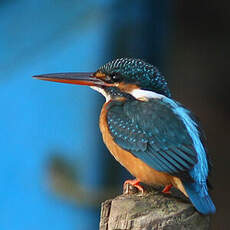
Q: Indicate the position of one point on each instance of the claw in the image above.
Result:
(135, 183)
(167, 189)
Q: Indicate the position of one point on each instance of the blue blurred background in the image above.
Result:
(51, 147)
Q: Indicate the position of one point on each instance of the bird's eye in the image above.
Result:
(115, 77)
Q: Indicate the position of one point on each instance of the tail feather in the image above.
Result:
(198, 194)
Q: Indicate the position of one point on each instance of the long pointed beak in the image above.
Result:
(73, 78)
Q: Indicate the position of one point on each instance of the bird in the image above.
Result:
(157, 139)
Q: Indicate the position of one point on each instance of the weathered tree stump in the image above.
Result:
(151, 211)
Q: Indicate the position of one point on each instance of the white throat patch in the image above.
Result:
(102, 91)
(145, 94)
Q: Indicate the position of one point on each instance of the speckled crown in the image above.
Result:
(143, 74)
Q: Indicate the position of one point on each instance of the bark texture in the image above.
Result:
(151, 211)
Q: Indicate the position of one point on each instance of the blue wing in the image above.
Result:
(155, 134)
(165, 136)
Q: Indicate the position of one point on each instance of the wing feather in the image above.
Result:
(154, 133)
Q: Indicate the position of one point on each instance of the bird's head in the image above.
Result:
(120, 77)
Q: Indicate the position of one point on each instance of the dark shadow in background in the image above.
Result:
(199, 72)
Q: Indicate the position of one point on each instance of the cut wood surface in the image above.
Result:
(153, 210)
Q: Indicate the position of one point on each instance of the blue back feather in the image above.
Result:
(197, 191)
(200, 171)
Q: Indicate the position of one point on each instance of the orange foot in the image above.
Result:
(135, 183)
(167, 189)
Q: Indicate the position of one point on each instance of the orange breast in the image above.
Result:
(134, 165)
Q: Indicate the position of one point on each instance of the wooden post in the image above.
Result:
(151, 211)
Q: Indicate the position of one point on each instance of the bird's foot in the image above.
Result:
(135, 183)
(167, 189)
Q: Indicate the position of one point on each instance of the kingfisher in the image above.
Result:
(153, 136)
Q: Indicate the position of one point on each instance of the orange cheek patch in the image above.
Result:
(127, 87)
(100, 75)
